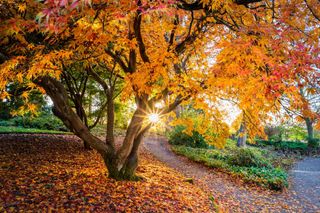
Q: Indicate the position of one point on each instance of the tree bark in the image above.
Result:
(63, 110)
(110, 120)
(121, 164)
(128, 169)
(242, 136)
(309, 124)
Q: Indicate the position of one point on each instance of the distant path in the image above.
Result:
(233, 195)
(306, 179)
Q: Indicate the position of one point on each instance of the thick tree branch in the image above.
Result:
(312, 11)
(58, 94)
(137, 32)
(198, 5)
(179, 99)
(118, 60)
(173, 31)
(97, 78)
(99, 116)
(246, 2)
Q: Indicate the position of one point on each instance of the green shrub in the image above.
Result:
(313, 142)
(6, 123)
(252, 164)
(216, 163)
(290, 145)
(273, 178)
(44, 121)
(248, 157)
(296, 133)
(283, 145)
(178, 137)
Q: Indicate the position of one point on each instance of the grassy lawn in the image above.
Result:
(14, 129)
(253, 165)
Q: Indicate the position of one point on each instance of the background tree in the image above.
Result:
(307, 107)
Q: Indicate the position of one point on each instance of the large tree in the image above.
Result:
(170, 51)
(307, 108)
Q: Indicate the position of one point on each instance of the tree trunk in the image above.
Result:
(82, 115)
(309, 124)
(127, 170)
(121, 163)
(63, 110)
(242, 136)
(110, 119)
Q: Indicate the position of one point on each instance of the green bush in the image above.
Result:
(273, 178)
(178, 137)
(44, 121)
(313, 142)
(290, 145)
(6, 123)
(283, 145)
(248, 157)
(251, 164)
(296, 133)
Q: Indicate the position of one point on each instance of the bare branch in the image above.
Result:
(99, 116)
(97, 78)
(311, 10)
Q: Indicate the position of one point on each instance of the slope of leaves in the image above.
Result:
(55, 173)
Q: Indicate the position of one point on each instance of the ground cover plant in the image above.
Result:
(282, 145)
(290, 147)
(253, 165)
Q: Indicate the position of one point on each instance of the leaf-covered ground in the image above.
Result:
(54, 173)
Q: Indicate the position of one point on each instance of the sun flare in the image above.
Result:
(153, 117)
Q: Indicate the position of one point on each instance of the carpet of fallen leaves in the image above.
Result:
(51, 173)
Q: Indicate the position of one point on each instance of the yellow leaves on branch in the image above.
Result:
(48, 64)
(30, 108)
(246, 69)
(212, 129)
(25, 95)
(4, 95)
(9, 74)
(22, 7)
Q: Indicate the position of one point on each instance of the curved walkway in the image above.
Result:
(306, 180)
(232, 195)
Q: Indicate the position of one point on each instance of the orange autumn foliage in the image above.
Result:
(201, 51)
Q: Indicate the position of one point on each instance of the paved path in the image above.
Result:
(306, 180)
(302, 196)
